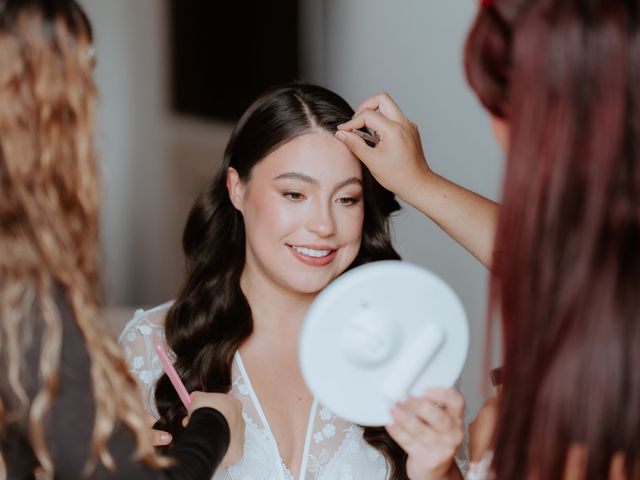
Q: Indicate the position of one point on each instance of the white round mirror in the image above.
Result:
(378, 333)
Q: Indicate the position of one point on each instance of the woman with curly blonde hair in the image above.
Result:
(67, 405)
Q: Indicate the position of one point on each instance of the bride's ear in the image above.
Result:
(236, 188)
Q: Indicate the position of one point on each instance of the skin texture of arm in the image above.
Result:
(481, 430)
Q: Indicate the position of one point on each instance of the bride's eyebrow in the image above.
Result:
(349, 181)
(298, 176)
(313, 181)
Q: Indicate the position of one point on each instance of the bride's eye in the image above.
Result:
(348, 201)
(293, 196)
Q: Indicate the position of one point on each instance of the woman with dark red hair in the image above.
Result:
(560, 80)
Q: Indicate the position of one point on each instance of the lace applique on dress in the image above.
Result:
(140, 335)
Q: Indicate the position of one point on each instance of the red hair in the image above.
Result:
(566, 282)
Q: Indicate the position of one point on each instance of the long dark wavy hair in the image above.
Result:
(211, 316)
(566, 77)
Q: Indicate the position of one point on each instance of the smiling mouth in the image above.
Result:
(311, 252)
(317, 257)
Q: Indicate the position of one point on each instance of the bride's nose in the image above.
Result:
(321, 221)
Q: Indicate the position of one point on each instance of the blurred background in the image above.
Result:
(174, 74)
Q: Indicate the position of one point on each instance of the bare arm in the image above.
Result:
(481, 430)
(470, 219)
(399, 164)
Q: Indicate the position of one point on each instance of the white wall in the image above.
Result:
(154, 162)
(413, 50)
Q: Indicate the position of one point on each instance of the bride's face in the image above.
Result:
(303, 212)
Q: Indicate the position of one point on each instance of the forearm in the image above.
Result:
(470, 219)
(202, 446)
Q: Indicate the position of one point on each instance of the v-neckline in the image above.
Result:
(282, 467)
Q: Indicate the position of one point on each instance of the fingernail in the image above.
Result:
(165, 437)
(341, 135)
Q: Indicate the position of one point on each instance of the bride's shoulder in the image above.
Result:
(145, 323)
(138, 340)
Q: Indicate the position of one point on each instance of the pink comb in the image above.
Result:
(173, 376)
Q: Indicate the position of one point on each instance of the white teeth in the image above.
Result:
(311, 252)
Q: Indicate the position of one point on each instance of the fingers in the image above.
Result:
(401, 436)
(406, 425)
(371, 119)
(355, 143)
(426, 412)
(438, 414)
(158, 437)
(149, 419)
(383, 103)
(452, 400)
(428, 431)
(414, 436)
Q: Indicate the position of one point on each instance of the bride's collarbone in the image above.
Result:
(282, 391)
(269, 363)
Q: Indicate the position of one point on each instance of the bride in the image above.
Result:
(289, 210)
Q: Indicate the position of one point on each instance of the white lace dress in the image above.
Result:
(334, 448)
